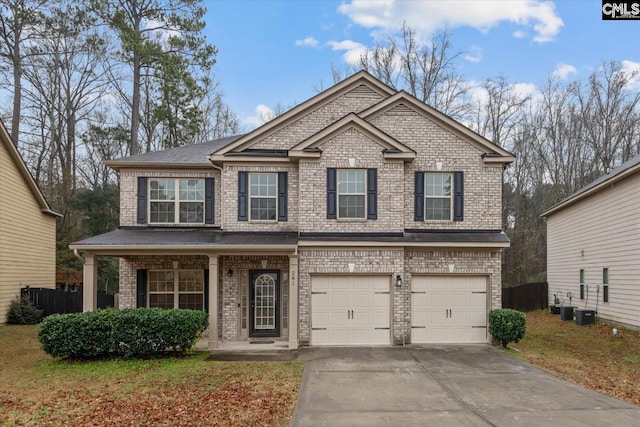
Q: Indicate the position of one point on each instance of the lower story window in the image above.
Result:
(176, 289)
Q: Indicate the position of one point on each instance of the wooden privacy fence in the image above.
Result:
(54, 301)
(526, 297)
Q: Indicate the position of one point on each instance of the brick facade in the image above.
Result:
(437, 148)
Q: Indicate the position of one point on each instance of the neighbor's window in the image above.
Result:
(263, 193)
(438, 196)
(605, 285)
(352, 192)
(581, 283)
(176, 201)
(176, 289)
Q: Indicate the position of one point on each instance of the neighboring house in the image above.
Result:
(27, 229)
(359, 217)
(593, 250)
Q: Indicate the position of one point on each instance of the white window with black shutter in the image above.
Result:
(352, 193)
(175, 201)
(262, 196)
(439, 196)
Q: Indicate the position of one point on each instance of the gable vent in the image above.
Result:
(361, 91)
(401, 109)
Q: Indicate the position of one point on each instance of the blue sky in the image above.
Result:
(278, 52)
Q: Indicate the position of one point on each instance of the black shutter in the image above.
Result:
(206, 290)
(142, 200)
(141, 288)
(331, 193)
(243, 185)
(209, 201)
(458, 196)
(282, 196)
(372, 194)
(418, 209)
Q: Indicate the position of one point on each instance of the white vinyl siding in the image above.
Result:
(592, 234)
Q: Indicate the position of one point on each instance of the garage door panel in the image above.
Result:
(452, 309)
(358, 310)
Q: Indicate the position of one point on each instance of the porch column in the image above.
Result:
(89, 286)
(293, 301)
(213, 302)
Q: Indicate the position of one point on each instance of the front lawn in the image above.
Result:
(586, 355)
(38, 390)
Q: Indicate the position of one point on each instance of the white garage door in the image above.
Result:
(350, 310)
(448, 309)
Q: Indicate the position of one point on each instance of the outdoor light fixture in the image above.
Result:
(398, 280)
(230, 272)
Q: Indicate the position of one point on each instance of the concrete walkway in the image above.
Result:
(474, 385)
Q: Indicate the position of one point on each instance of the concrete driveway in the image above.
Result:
(475, 385)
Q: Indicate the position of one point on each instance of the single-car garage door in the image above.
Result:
(448, 309)
(350, 310)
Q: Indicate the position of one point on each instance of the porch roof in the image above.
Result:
(201, 240)
(185, 239)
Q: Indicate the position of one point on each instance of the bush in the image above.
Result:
(23, 312)
(507, 325)
(127, 333)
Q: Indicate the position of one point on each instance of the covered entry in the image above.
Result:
(448, 309)
(350, 310)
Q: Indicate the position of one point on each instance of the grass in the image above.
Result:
(586, 355)
(38, 390)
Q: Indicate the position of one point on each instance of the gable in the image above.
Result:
(403, 104)
(353, 94)
(11, 157)
(390, 147)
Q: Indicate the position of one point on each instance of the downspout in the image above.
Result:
(77, 255)
(221, 192)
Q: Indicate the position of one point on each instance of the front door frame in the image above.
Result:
(258, 333)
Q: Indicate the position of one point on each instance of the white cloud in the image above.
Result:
(263, 115)
(563, 71)
(523, 90)
(474, 54)
(353, 50)
(633, 69)
(428, 16)
(519, 34)
(308, 41)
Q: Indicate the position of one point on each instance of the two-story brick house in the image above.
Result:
(360, 217)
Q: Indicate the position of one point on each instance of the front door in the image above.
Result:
(264, 304)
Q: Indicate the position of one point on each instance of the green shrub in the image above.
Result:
(127, 333)
(507, 325)
(23, 312)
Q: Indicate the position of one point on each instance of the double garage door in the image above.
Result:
(356, 310)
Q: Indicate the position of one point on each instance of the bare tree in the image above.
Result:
(19, 20)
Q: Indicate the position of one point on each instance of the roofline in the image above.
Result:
(401, 244)
(117, 165)
(24, 171)
(586, 193)
(181, 248)
(442, 119)
(317, 100)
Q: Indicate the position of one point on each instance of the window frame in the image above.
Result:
(177, 201)
(176, 287)
(582, 283)
(605, 285)
(250, 196)
(450, 197)
(363, 194)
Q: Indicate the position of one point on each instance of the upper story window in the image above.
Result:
(351, 193)
(176, 201)
(439, 196)
(263, 195)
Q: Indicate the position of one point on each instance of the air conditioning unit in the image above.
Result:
(585, 317)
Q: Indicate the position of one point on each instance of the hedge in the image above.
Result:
(507, 325)
(139, 332)
(23, 312)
